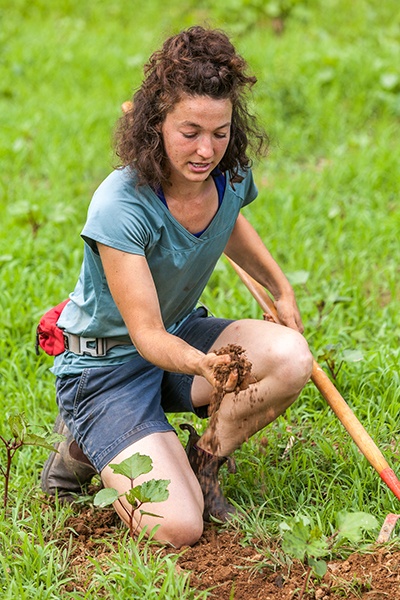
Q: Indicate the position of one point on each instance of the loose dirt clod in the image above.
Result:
(242, 366)
(239, 363)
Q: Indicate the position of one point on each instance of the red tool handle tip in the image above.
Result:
(391, 481)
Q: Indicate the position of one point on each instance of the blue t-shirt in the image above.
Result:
(133, 219)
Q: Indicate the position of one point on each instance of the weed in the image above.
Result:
(21, 436)
(303, 540)
(154, 490)
(141, 573)
(355, 587)
(334, 357)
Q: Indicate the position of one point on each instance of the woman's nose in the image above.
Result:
(205, 147)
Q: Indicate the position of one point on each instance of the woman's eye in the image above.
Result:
(220, 136)
(189, 135)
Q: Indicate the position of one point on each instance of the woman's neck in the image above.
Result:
(187, 191)
(193, 206)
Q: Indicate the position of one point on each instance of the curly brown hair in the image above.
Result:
(196, 62)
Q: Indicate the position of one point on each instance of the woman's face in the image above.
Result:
(196, 134)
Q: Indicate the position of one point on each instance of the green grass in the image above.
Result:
(329, 95)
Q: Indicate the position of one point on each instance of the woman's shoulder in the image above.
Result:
(121, 187)
(242, 186)
(120, 181)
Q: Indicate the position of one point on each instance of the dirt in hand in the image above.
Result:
(242, 366)
(239, 363)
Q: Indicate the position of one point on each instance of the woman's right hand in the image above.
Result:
(207, 367)
(210, 362)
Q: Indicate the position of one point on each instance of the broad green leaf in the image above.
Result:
(318, 566)
(295, 545)
(295, 535)
(352, 355)
(31, 439)
(390, 81)
(55, 438)
(135, 465)
(351, 525)
(298, 277)
(317, 546)
(132, 496)
(288, 525)
(300, 539)
(329, 352)
(105, 497)
(154, 490)
(17, 425)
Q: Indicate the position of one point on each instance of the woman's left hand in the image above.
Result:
(288, 313)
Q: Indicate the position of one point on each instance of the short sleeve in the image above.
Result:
(251, 191)
(116, 217)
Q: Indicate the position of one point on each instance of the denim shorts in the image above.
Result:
(109, 408)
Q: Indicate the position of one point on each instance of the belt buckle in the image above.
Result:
(92, 346)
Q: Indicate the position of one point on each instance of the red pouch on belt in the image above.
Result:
(48, 336)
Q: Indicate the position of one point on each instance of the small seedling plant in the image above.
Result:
(302, 540)
(154, 490)
(21, 436)
(334, 358)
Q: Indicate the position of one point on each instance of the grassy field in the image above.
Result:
(328, 209)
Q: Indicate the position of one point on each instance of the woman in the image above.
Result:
(155, 230)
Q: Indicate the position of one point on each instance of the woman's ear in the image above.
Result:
(127, 106)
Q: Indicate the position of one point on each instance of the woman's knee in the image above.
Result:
(178, 531)
(173, 523)
(272, 349)
(294, 360)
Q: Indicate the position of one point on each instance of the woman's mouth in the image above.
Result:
(200, 167)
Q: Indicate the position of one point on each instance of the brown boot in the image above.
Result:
(66, 473)
(206, 466)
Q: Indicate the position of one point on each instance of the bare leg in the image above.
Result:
(282, 365)
(182, 522)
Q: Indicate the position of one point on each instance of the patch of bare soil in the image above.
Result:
(219, 561)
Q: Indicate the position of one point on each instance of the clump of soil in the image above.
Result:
(239, 363)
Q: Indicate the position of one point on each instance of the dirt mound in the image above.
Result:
(236, 571)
